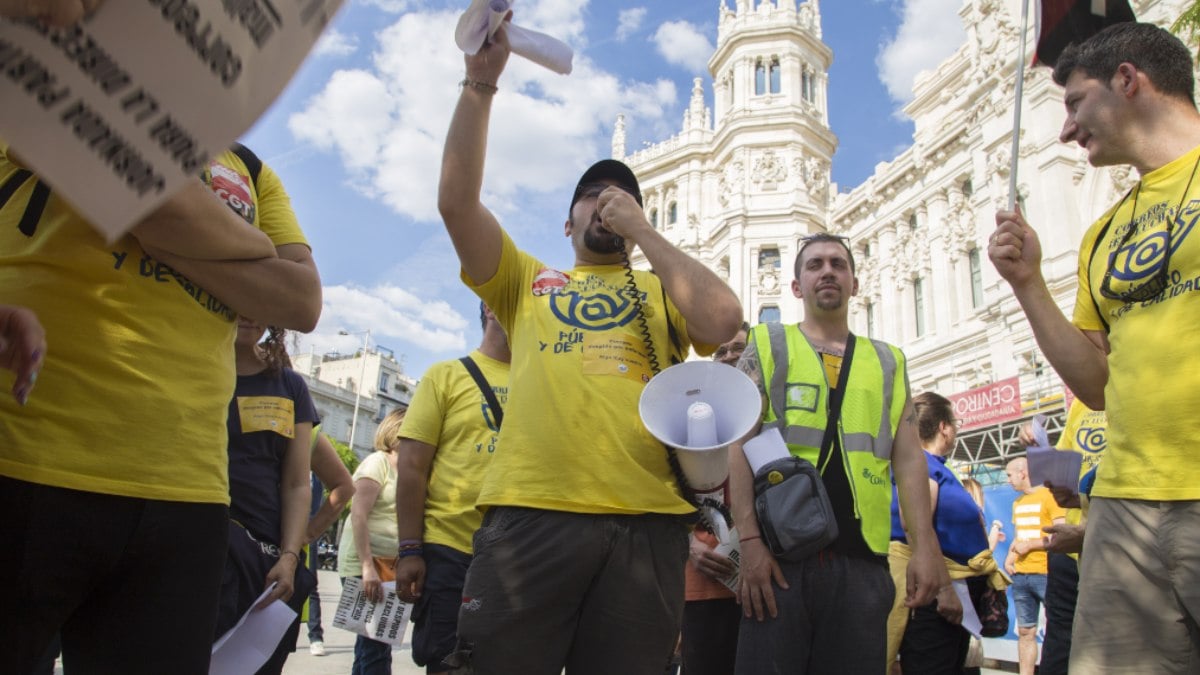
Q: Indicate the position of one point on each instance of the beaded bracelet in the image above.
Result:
(479, 86)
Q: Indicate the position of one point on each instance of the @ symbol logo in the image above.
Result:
(592, 312)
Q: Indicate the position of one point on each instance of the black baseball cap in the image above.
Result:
(609, 169)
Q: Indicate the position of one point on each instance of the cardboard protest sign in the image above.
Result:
(120, 110)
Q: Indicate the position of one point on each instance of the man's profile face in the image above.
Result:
(1093, 118)
(825, 277)
(731, 351)
(1016, 476)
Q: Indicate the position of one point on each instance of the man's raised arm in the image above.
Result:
(473, 229)
(1079, 357)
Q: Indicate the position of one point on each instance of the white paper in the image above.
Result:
(247, 646)
(970, 618)
(727, 545)
(764, 448)
(118, 112)
(483, 17)
(1060, 467)
(383, 621)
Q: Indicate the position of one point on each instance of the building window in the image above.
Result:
(919, 304)
(912, 220)
(760, 78)
(654, 218)
(768, 313)
(775, 75)
(383, 411)
(870, 320)
(672, 213)
(383, 381)
(768, 258)
(976, 278)
(865, 251)
(808, 86)
(968, 188)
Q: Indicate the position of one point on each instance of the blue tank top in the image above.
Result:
(957, 519)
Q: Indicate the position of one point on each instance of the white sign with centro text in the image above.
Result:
(117, 112)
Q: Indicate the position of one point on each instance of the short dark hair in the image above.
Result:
(1164, 59)
(932, 410)
(823, 238)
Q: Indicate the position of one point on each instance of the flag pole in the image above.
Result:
(1020, 92)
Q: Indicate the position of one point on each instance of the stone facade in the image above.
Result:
(740, 192)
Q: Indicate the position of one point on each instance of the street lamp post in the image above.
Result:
(362, 372)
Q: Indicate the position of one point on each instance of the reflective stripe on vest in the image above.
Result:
(868, 420)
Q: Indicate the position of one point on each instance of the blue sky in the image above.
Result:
(357, 136)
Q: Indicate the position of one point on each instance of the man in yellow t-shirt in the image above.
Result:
(113, 474)
(579, 559)
(446, 444)
(1026, 561)
(1130, 100)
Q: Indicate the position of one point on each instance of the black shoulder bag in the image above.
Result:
(795, 516)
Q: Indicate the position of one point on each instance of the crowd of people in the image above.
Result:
(165, 466)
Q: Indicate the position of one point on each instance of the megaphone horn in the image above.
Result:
(699, 408)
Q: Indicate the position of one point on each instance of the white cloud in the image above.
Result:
(335, 43)
(628, 21)
(683, 44)
(929, 32)
(388, 121)
(396, 317)
(393, 6)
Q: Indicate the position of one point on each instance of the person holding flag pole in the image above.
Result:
(1130, 100)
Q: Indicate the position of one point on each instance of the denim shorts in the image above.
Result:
(1028, 594)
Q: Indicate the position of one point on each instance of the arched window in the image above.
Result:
(976, 278)
(672, 213)
(919, 305)
(760, 78)
(654, 218)
(775, 75)
(768, 313)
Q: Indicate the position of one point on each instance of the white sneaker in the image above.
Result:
(317, 648)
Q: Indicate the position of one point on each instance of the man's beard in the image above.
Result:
(829, 304)
(602, 242)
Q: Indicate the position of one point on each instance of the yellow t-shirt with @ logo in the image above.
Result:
(1151, 397)
(449, 412)
(139, 372)
(572, 439)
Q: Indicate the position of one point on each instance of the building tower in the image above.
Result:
(740, 185)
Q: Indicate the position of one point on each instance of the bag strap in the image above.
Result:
(835, 403)
(482, 383)
(253, 164)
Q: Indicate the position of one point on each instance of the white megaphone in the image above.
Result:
(699, 408)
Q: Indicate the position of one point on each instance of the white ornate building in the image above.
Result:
(374, 382)
(742, 183)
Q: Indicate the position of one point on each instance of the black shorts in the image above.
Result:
(246, 566)
(435, 616)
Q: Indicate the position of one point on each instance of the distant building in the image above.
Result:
(335, 380)
(743, 183)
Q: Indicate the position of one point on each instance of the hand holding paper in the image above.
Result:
(480, 22)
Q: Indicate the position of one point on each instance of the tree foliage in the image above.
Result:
(347, 456)
(1187, 26)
